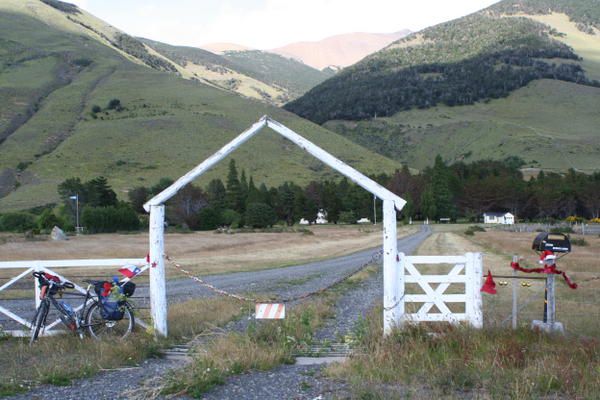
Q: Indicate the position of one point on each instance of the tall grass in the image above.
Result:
(264, 345)
(60, 359)
(458, 361)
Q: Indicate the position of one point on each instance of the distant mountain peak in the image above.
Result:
(339, 50)
(222, 47)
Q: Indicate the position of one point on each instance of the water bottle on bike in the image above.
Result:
(71, 320)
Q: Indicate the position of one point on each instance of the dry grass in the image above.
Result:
(60, 359)
(207, 252)
(458, 362)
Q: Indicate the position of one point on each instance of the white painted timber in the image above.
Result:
(393, 283)
(470, 263)
(158, 291)
(83, 263)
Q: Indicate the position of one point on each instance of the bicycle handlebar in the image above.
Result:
(40, 276)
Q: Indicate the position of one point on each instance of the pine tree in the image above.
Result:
(440, 185)
(243, 200)
(254, 196)
(233, 192)
(216, 194)
(99, 193)
(286, 200)
(428, 207)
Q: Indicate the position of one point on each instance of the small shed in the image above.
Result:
(502, 218)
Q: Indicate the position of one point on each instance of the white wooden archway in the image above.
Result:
(393, 285)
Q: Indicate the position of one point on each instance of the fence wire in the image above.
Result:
(575, 309)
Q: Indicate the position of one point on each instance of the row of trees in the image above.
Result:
(240, 202)
(457, 191)
(468, 190)
(441, 191)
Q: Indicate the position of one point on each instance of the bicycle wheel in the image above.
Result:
(100, 328)
(38, 321)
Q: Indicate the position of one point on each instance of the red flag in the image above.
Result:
(489, 286)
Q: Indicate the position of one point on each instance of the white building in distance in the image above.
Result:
(321, 218)
(498, 218)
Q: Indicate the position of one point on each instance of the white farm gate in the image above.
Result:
(467, 271)
(28, 267)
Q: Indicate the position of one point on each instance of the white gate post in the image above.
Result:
(474, 274)
(158, 293)
(393, 277)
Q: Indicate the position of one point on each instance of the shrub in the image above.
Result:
(82, 62)
(17, 222)
(209, 218)
(573, 218)
(474, 228)
(579, 242)
(230, 218)
(22, 166)
(114, 104)
(260, 215)
(96, 109)
(348, 217)
(110, 219)
(48, 220)
(561, 229)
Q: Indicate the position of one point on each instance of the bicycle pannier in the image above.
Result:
(112, 309)
(112, 305)
(128, 288)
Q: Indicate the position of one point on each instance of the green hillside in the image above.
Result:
(274, 69)
(270, 77)
(57, 79)
(530, 123)
(516, 55)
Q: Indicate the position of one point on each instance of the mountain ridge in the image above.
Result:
(481, 58)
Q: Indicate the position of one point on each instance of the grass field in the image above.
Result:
(208, 252)
(550, 124)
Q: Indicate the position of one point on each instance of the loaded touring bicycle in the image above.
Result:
(105, 311)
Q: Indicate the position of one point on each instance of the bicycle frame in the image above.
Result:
(49, 299)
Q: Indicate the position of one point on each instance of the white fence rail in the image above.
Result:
(44, 266)
(467, 270)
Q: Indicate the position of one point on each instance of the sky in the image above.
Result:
(266, 24)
